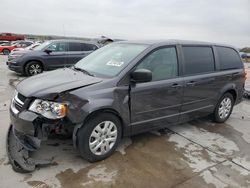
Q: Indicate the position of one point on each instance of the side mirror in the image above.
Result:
(47, 51)
(141, 75)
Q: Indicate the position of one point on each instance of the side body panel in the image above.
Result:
(155, 104)
(203, 91)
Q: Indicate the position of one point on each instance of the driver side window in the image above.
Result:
(162, 63)
(58, 47)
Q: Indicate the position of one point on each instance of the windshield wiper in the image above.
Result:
(83, 70)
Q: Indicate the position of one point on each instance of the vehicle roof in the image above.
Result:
(173, 41)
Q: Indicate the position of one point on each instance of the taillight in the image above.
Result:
(245, 75)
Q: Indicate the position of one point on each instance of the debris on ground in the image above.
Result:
(19, 156)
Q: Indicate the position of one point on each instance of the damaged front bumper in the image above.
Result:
(28, 129)
(25, 134)
(19, 155)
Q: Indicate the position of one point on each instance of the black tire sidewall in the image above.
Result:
(29, 64)
(216, 112)
(85, 131)
(6, 50)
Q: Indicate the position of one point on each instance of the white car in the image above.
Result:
(31, 47)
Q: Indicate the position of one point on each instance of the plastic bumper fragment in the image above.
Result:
(19, 153)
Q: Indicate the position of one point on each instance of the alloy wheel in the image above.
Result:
(103, 138)
(35, 69)
(225, 108)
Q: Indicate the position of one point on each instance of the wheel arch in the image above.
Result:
(233, 93)
(105, 110)
(94, 113)
(229, 88)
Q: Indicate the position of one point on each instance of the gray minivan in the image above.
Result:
(50, 55)
(123, 89)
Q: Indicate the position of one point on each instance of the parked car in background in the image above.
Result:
(49, 56)
(31, 47)
(245, 55)
(7, 43)
(3, 42)
(127, 88)
(11, 37)
(6, 49)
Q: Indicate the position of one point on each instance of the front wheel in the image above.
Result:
(99, 137)
(33, 68)
(224, 108)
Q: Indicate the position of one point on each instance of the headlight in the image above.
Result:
(48, 109)
(15, 56)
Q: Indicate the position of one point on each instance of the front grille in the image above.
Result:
(17, 103)
(18, 106)
(21, 97)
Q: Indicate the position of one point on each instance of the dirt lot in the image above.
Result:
(196, 154)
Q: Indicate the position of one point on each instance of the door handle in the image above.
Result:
(191, 83)
(176, 85)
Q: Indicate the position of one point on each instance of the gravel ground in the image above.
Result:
(195, 154)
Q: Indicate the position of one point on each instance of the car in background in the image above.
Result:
(3, 42)
(50, 55)
(11, 37)
(31, 47)
(20, 51)
(245, 55)
(7, 48)
(6, 43)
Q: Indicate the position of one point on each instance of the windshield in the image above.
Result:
(108, 61)
(42, 46)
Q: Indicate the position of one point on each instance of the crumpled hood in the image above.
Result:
(55, 82)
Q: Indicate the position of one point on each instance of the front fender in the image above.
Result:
(92, 106)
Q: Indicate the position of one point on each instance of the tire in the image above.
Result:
(6, 51)
(33, 68)
(88, 134)
(224, 108)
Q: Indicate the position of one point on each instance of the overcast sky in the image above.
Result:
(224, 21)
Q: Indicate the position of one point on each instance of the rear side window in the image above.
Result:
(229, 58)
(73, 46)
(198, 59)
(88, 47)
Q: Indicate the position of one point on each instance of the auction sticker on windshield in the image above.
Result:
(114, 63)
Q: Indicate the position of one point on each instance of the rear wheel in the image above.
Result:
(99, 137)
(6, 51)
(224, 108)
(33, 68)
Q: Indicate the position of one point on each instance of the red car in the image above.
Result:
(7, 49)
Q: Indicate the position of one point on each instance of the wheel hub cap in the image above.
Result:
(103, 138)
(35, 69)
(225, 107)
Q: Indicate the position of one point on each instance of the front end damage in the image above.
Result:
(25, 134)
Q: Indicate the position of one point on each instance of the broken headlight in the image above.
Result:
(48, 109)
